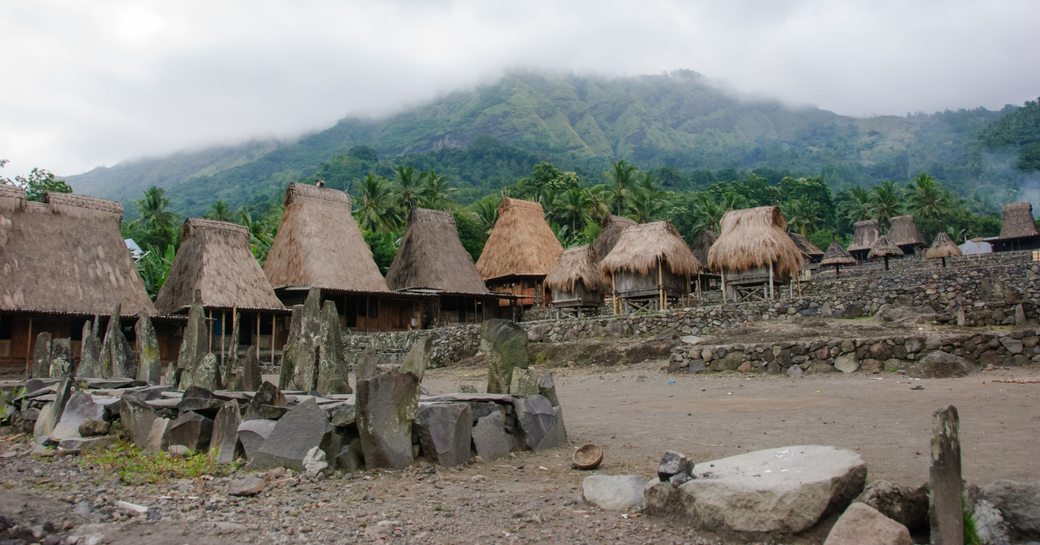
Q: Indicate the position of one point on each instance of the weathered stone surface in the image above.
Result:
(1019, 504)
(547, 388)
(906, 505)
(861, 524)
(207, 373)
(90, 351)
(230, 374)
(386, 406)
(504, 345)
(149, 365)
(343, 413)
(901, 315)
(117, 356)
(191, 430)
(94, 428)
(350, 457)
(225, 433)
(847, 363)
(136, 416)
(304, 427)
(1013, 346)
(61, 358)
(940, 364)
(333, 367)
(84, 444)
(267, 395)
(253, 433)
(672, 464)
(785, 489)
(367, 365)
(523, 383)
(301, 348)
(251, 370)
(246, 486)
(314, 463)
(490, 437)
(946, 505)
(80, 408)
(794, 371)
(287, 374)
(158, 440)
(990, 526)
(41, 362)
(445, 432)
(614, 492)
(194, 346)
(729, 362)
(541, 423)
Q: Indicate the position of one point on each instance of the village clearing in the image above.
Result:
(635, 412)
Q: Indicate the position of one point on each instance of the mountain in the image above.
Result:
(485, 138)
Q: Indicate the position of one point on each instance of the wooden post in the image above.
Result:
(256, 340)
(723, 286)
(946, 498)
(660, 285)
(613, 291)
(771, 280)
(29, 348)
(274, 333)
(209, 332)
(223, 333)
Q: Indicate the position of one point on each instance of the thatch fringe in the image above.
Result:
(1017, 221)
(884, 247)
(755, 238)
(865, 234)
(431, 256)
(521, 243)
(214, 260)
(943, 246)
(903, 231)
(319, 245)
(609, 233)
(806, 246)
(642, 246)
(836, 255)
(702, 244)
(576, 265)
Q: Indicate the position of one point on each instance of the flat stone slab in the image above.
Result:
(785, 489)
(450, 398)
(614, 492)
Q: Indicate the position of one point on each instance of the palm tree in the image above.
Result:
(261, 234)
(645, 206)
(158, 224)
(375, 211)
(599, 202)
(802, 214)
(572, 207)
(407, 189)
(886, 200)
(486, 210)
(854, 204)
(220, 212)
(433, 190)
(927, 199)
(622, 176)
(707, 210)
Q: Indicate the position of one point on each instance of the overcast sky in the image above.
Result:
(89, 83)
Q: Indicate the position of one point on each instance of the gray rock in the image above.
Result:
(490, 437)
(251, 370)
(158, 439)
(940, 364)
(445, 432)
(149, 367)
(94, 428)
(266, 395)
(230, 374)
(304, 427)
(367, 363)
(672, 464)
(343, 413)
(194, 346)
(61, 358)
(847, 363)
(547, 388)
(541, 423)
(504, 345)
(84, 444)
(79, 409)
(225, 433)
(191, 430)
(90, 351)
(136, 416)
(301, 348)
(246, 486)
(419, 357)
(614, 492)
(1014, 346)
(990, 526)
(333, 368)
(207, 373)
(523, 382)
(386, 406)
(946, 501)
(906, 505)
(253, 433)
(785, 489)
(1019, 504)
(861, 524)
(350, 457)
(117, 356)
(41, 362)
(899, 315)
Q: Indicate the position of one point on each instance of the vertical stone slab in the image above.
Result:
(194, 345)
(206, 374)
(61, 358)
(946, 502)
(136, 416)
(41, 362)
(504, 345)
(333, 369)
(230, 368)
(225, 433)
(288, 371)
(90, 351)
(386, 406)
(251, 371)
(445, 432)
(149, 364)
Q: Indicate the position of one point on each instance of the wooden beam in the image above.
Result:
(273, 336)
(29, 349)
(723, 286)
(771, 280)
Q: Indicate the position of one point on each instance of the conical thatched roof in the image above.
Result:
(609, 233)
(753, 238)
(883, 247)
(214, 259)
(702, 244)
(319, 245)
(1017, 221)
(942, 247)
(521, 243)
(836, 255)
(865, 234)
(431, 256)
(806, 246)
(642, 246)
(903, 231)
(66, 255)
(576, 265)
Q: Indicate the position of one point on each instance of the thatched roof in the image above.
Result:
(836, 255)
(943, 246)
(521, 243)
(642, 246)
(702, 244)
(865, 234)
(431, 256)
(214, 259)
(806, 246)
(609, 233)
(1017, 221)
(319, 245)
(884, 247)
(577, 264)
(754, 238)
(66, 256)
(902, 231)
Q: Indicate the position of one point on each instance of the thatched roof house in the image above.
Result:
(942, 247)
(214, 260)
(811, 252)
(642, 246)
(521, 243)
(903, 232)
(836, 256)
(319, 245)
(865, 234)
(576, 266)
(883, 247)
(755, 238)
(1017, 228)
(702, 244)
(66, 256)
(432, 257)
(609, 233)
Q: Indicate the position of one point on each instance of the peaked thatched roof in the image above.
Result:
(806, 246)
(943, 246)
(884, 247)
(1017, 221)
(521, 243)
(836, 255)
(215, 260)
(319, 245)
(431, 256)
(702, 244)
(865, 234)
(903, 231)
(66, 255)
(609, 233)
(642, 246)
(576, 265)
(753, 238)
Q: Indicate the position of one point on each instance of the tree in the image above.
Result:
(928, 201)
(376, 211)
(854, 204)
(803, 215)
(407, 189)
(38, 183)
(572, 208)
(155, 226)
(434, 190)
(486, 210)
(219, 211)
(886, 200)
(622, 176)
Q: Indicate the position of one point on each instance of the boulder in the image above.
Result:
(158, 439)
(523, 383)
(90, 351)
(267, 395)
(253, 433)
(1019, 504)
(314, 463)
(861, 524)
(304, 427)
(191, 430)
(136, 416)
(386, 406)
(194, 346)
(445, 432)
(547, 388)
(79, 409)
(249, 485)
(674, 464)
(614, 492)
(251, 370)
(117, 356)
(847, 363)
(490, 437)
(207, 373)
(84, 444)
(41, 362)
(541, 423)
(61, 358)
(225, 433)
(94, 428)
(504, 345)
(1013, 346)
(906, 505)
(149, 365)
(938, 364)
(786, 489)
(333, 368)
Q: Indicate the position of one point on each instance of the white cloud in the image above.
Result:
(89, 83)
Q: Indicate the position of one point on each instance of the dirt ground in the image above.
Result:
(636, 412)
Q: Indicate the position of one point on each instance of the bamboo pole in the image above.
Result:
(29, 348)
(613, 290)
(223, 333)
(723, 272)
(660, 285)
(274, 334)
(771, 280)
(256, 340)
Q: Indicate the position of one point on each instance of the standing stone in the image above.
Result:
(946, 506)
(253, 433)
(206, 374)
(386, 406)
(504, 345)
(445, 432)
(79, 409)
(117, 356)
(194, 345)
(547, 388)
(191, 430)
(225, 433)
(251, 370)
(490, 437)
(51, 413)
(303, 428)
(861, 524)
(230, 367)
(136, 416)
(541, 423)
(419, 357)
(149, 365)
(267, 395)
(288, 370)
(1020, 314)
(61, 358)
(90, 351)
(41, 362)
(158, 439)
(333, 369)
(303, 351)
(367, 365)
(523, 383)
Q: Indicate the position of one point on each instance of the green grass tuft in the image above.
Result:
(133, 466)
